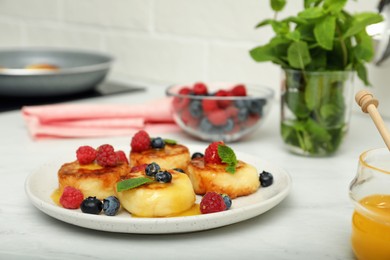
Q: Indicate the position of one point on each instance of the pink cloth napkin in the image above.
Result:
(85, 120)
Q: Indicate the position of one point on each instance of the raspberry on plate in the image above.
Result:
(140, 141)
(86, 154)
(138, 168)
(106, 156)
(71, 198)
(211, 153)
(122, 158)
(212, 202)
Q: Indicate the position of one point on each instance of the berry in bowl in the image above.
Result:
(219, 111)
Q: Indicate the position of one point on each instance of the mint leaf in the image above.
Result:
(132, 183)
(324, 32)
(278, 5)
(170, 141)
(298, 55)
(228, 156)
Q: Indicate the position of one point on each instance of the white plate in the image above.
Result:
(40, 185)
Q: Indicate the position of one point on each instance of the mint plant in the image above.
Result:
(323, 37)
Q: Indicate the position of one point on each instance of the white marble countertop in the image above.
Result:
(313, 222)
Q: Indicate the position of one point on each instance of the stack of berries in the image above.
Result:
(225, 111)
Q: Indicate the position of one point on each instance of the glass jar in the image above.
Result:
(370, 193)
(315, 110)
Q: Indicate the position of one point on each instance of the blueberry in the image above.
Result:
(227, 200)
(152, 168)
(195, 108)
(197, 155)
(158, 143)
(205, 125)
(266, 179)
(256, 106)
(240, 103)
(228, 126)
(179, 170)
(243, 113)
(111, 206)
(91, 205)
(163, 176)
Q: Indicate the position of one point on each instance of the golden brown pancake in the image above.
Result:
(159, 199)
(213, 177)
(169, 157)
(91, 179)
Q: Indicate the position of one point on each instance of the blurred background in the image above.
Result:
(155, 41)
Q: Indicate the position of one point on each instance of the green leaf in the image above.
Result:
(294, 36)
(334, 6)
(313, 91)
(320, 61)
(312, 13)
(311, 3)
(324, 32)
(170, 141)
(132, 183)
(362, 73)
(266, 53)
(361, 21)
(294, 19)
(298, 55)
(228, 156)
(264, 22)
(277, 5)
(364, 49)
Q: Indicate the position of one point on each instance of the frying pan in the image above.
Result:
(70, 72)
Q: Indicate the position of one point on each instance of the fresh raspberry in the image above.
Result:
(86, 154)
(212, 202)
(200, 89)
(218, 117)
(223, 103)
(232, 111)
(140, 141)
(211, 153)
(188, 119)
(71, 198)
(122, 158)
(138, 168)
(209, 105)
(239, 90)
(106, 156)
(182, 102)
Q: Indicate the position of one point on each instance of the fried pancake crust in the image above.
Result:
(91, 179)
(213, 177)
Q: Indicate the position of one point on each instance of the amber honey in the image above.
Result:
(371, 232)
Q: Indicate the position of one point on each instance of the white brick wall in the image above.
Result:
(155, 41)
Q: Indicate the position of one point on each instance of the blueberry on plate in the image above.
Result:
(266, 179)
(111, 206)
(91, 205)
(158, 143)
(197, 155)
(163, 176)
(227, 200)
(152, 168)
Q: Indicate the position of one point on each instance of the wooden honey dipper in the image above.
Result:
(369, 105)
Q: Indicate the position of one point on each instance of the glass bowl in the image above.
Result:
(224, 112)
